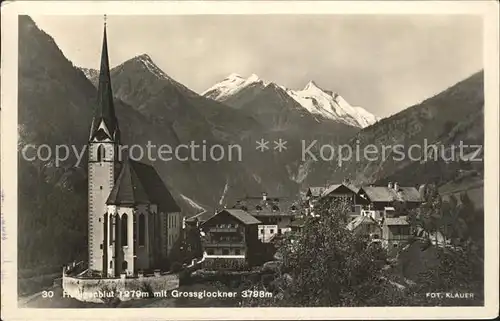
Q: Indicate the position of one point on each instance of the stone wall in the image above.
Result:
(101, 290)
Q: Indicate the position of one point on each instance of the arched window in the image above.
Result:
(142, 229)
(111, 223)
(124, 227)
(101, 153)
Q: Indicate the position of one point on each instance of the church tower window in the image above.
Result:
(101, 153)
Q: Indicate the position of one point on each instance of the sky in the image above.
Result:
(383, 63)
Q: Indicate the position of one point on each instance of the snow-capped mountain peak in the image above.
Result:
(233, 77)
(311, 85)
(231, 85)
(313, 98)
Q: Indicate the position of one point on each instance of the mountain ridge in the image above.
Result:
(333, 107)
(314, 99)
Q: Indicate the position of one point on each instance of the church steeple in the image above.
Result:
(105, 121)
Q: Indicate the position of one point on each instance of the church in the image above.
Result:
(134, 222)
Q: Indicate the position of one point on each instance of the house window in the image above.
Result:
(111, 264)
(210, 252)
(261, 231)
(142, 229)
(258, 208)
(271, 231)
(225, 252)
(237, 251)
(124, 265)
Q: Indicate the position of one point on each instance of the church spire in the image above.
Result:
(105, 111)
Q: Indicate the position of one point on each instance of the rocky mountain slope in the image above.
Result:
(320, 104)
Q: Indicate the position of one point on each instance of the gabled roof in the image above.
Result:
(359, 220)
(240, 215)
(386, 194)
(139, 183)
(335, 187)
(315, 191)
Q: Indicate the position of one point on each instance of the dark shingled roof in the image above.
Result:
(240, 215)
(334, 187)
(139, 183)
(105, 110)
(386, 194)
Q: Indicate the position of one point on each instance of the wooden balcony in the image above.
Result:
(224, 244)
(223, 229)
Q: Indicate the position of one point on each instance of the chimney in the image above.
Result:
(264, 196)
(389, 185)
(396, 186)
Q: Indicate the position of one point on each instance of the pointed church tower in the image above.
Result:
(103, 146)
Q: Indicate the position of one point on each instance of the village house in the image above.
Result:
(380, 218)
(275, 214)
(378, 200)
(230, 234)
(391, 232)
(345, 192)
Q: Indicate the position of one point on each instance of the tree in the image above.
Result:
(429, 215)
